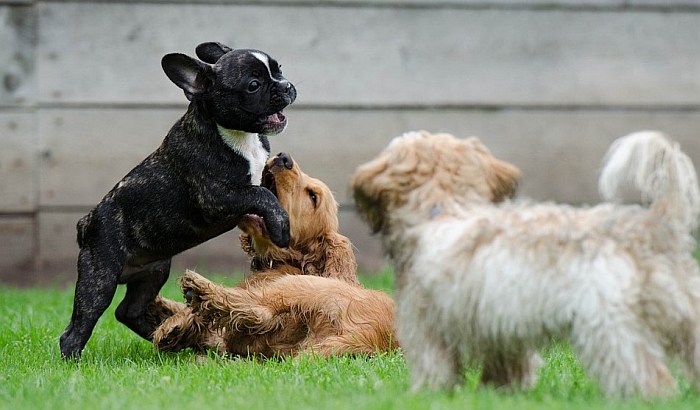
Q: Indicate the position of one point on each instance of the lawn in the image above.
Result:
(119, 370)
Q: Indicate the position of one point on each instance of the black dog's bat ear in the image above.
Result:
(211, 52)
(190, 74)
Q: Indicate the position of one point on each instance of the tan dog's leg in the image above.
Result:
(161, 309)
(234, 308)
(345, 344)
(342, 318)
(185, 329)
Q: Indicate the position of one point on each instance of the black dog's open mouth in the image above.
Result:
(274, 123)
(276, 118)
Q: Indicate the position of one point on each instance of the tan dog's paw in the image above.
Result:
(160, 309)
(179, 332)
(167, 338)
(193, 285)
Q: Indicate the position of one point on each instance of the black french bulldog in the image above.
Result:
(198, 184)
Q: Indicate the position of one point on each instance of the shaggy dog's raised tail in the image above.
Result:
(654, 165)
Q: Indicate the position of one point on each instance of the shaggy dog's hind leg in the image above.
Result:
(689, 326)
(625, 360)
(688, 344)
(511, 370)
(693, 346)
(434, 365)
(690, 354)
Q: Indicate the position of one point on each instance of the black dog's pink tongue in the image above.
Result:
(277, 117)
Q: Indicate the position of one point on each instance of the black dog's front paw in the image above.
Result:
(279, 231)
(71, 347)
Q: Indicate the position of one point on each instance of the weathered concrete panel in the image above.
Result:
(57, 244)
(87, 152)
(559, 152)
(18, 34)
(604, 4)
(101, 52)
(17, 164)
(17, 248)
(84, 153)
(547, 85)
(368, 250)
(222, 254)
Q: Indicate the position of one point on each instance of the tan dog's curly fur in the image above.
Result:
(488, 284)
(301, 299)
(295, 314)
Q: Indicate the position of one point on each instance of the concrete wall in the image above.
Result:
(547, 85)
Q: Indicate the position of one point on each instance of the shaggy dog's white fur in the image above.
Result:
(488, 283)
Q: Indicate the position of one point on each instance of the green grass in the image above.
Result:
(119, 370)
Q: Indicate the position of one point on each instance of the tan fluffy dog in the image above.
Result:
(488, 284)
(305, 298)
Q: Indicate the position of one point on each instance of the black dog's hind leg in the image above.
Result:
(94, 291)
(140, 292)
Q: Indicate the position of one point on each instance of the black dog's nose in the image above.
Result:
(286, 87)
(284, 159)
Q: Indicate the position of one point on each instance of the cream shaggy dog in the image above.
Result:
(478, 282)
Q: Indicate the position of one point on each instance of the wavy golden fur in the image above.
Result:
(302, 299)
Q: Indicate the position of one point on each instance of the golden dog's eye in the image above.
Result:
(312, 195)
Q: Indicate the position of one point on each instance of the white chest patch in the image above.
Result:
(248, 146)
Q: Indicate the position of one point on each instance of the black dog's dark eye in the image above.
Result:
(253, 86)
(312, 195)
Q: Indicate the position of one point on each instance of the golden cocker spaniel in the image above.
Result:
(301, 299)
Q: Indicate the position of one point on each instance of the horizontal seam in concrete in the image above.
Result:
(680, 7)
(392, 107)
(45, 209)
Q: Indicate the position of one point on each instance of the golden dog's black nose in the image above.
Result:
(285, 160)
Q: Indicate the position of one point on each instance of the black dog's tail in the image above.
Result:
(654, 165)
(82, 228)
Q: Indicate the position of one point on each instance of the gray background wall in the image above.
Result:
(547, 85)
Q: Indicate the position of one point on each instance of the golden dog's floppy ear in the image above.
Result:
(331, 257)
(504, 179)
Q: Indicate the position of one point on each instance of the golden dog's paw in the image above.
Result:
(170, 337)
(179, 332)
(193, 285)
